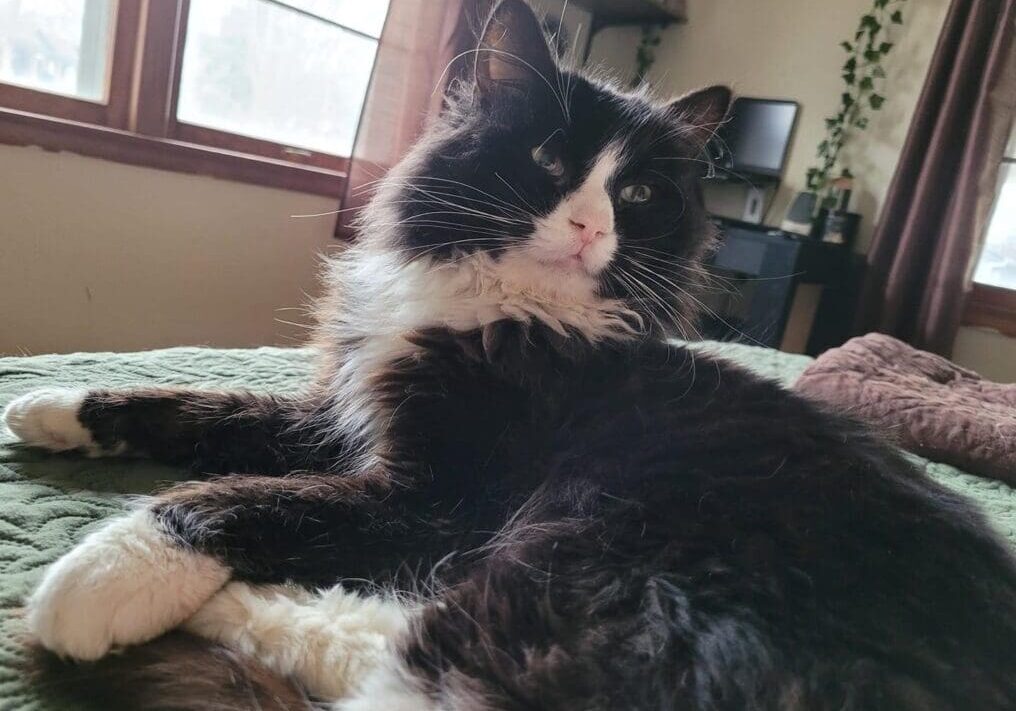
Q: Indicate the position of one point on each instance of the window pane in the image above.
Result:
(255, 68)
(367, 16)
(997, 265)
(59, 46)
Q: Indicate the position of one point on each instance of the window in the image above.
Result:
(993, 300)
(59, 46)
(264, 91)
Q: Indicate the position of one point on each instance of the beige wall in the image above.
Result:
(102, 256)
(986, 352)
(790, 49)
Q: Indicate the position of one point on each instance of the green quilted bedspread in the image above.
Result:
(49, 502)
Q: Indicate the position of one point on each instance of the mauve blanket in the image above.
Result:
(926, 403)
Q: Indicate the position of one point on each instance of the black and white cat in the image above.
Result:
(614, 521)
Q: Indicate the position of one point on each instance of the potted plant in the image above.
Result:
(864, 78)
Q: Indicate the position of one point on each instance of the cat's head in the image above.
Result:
(563, 184)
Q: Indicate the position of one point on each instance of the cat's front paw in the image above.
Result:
(124, 584)
(48, 418)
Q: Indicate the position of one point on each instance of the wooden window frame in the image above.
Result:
(137, 124)
(989, 306)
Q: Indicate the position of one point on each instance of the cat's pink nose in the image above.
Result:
(587, 233)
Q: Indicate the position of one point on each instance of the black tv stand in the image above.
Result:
(777, 262)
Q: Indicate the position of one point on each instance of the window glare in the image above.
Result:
(261, 70)
(367, 16)
(58, 46)
(997, 264)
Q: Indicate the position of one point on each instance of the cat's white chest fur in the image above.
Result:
(380, 299)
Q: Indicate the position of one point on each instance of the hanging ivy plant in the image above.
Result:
(645, 53)
(864, 77)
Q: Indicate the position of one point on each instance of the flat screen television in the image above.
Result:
(755, 139)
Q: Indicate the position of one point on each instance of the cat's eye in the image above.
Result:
(636, 193)
(546, 159)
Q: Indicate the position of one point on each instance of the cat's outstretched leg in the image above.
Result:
(147, 572)
(328, 640)
(211, 432)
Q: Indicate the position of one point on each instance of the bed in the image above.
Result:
(49, 502)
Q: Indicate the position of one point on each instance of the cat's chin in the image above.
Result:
(572, 263)
(567, 278)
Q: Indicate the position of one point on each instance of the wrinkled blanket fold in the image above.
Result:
(926, 403)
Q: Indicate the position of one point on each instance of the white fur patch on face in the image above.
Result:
(48, 418)
(578, 236)
(328, 641)
(125, 583)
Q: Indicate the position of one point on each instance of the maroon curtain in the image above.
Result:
(933, 217)
(420, 39)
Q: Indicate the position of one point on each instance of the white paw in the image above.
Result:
(48, 418)
(124, 584)
(329, 641)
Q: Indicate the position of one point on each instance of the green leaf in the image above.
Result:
(872, 55)
(897, 17)
(876, 101)
(847, 99)
(831, 123)
(849, 78)
(823, 148)
(858, 35)
(850, 65)
(885, 47)
(881, 3)
(847, 46)
(878, 72)
(861, 123)
(845, 173)
(868, 21)
(867, 84)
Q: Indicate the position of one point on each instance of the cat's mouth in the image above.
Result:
(573, 262)
(581, 262)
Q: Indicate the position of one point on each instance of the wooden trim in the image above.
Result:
(991, 307)
(163, 25)
(121, 73)
(26, 129)
(256, 146)
(111, 112)
(41, 102)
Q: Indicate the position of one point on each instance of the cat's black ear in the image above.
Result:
(701, 112)
(513, 51)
